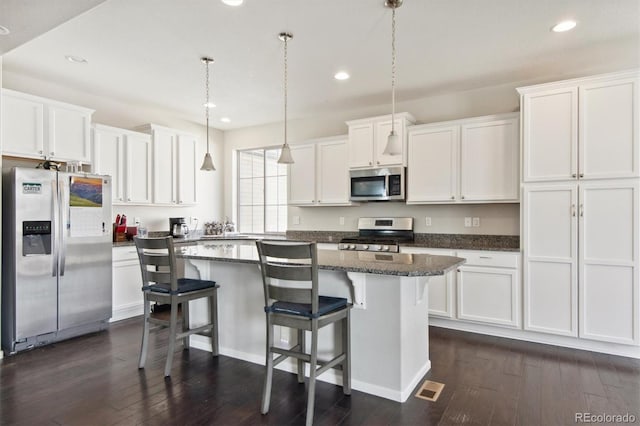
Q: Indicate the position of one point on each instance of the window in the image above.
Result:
(262, 191)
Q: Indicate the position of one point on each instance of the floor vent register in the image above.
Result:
(430, 390)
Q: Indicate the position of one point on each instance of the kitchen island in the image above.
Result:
(389, 322)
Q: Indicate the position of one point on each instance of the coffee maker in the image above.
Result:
(178, 227)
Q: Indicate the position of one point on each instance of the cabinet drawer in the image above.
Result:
(124, 253)
(490, 258)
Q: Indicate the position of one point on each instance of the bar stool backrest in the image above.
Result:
(157, 262)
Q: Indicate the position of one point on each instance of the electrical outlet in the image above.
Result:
(136, 221)
(341, 220)
(476, 222)
(467, 222)
(296, 220)
(427, 221)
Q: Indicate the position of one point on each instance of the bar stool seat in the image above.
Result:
(161, 285)
(300, 307)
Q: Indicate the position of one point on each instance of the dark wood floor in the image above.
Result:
(94, 380)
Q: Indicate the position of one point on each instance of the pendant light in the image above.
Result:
(285, 153)
(207, 164)
(394, 144)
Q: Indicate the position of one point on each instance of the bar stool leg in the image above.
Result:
(185, 324)
(301, 364)
(173, 325)
(346, 348)
(213, 311)
(268, 377)
(145, 332)
(313, 366)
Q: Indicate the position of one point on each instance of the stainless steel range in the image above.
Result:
(380, 234)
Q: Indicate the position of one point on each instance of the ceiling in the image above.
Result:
(147, 52)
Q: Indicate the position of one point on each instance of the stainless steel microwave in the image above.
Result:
(385, 184)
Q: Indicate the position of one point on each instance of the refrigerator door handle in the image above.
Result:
(54, 226)
(63, 226)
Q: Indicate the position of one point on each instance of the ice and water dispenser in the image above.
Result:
(36, 237)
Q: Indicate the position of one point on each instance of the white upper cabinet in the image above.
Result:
(319, 174)
(175, 171)
(35, 127)
(126, 157)
(581, 129)
(368, 139)
(472, 160)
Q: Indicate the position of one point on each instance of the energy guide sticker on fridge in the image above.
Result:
(85, 194)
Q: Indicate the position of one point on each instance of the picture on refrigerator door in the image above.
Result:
(85, 192)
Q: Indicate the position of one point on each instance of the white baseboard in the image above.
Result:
(330, 376)
(127, 311)
(548, 339)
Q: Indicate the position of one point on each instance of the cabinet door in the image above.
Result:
(609, 137)
(22, 126)
(609, 293)
(432, 168)
(550, 227)
(489, 161)
(489, 295)
(361, 145)
(138, 160)
(550, 135)
(69, 133)
(382, 130)
(187, 171)
(108, 159)
(302, 175)
(164, 167)
(333, 173)
(127, 282)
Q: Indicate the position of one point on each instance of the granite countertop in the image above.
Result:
(399, 264)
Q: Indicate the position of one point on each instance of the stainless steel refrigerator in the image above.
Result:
(56, 256)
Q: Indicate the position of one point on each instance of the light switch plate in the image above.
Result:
(467, 222)
(427, 221)
(476, 222)
(341, 220)
(296, 220)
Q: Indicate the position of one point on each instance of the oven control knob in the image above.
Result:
(385, 248)
(379, 248)
(352, 247)
(365, 247)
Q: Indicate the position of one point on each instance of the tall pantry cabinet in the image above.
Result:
(580, 211)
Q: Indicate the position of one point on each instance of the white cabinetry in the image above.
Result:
(368, 139)
(320, 175)
(580, 234)
(126, 157)
(35, 127)
(489, 288)
(584, 128)
(472, 160)
(175, 171)
(127, 284)
(442, 294)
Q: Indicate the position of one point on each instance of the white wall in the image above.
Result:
(496, 219)
(123, 115)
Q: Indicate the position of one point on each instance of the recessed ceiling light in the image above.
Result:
(4, 30)
(341, 75)
(210, 105)
(563, 26)
(232, 2)
(76, 59)
(225, 120)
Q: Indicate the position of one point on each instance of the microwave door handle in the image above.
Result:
(387, 188)
(54, 227)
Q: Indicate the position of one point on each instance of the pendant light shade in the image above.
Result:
(207, 164)
(394, 144)
(285, 154)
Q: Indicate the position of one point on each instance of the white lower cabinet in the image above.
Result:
(581, 259)
(127, 284)
(441, 287)
(488, 287)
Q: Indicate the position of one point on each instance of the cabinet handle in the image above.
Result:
(40, 152)
(581, 210)
(458, 269)
(486, 257)
(453, 197)
(377, 162)
(53, 153)
(370, 163)
(573, 210)
(128, 199)
(581, 175)
(462, 197)
(574, 175)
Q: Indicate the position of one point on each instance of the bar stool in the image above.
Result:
(160, 284)
(300, 307)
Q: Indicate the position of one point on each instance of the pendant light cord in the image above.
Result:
(206, 105)
(393, 68)
(286, 38)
